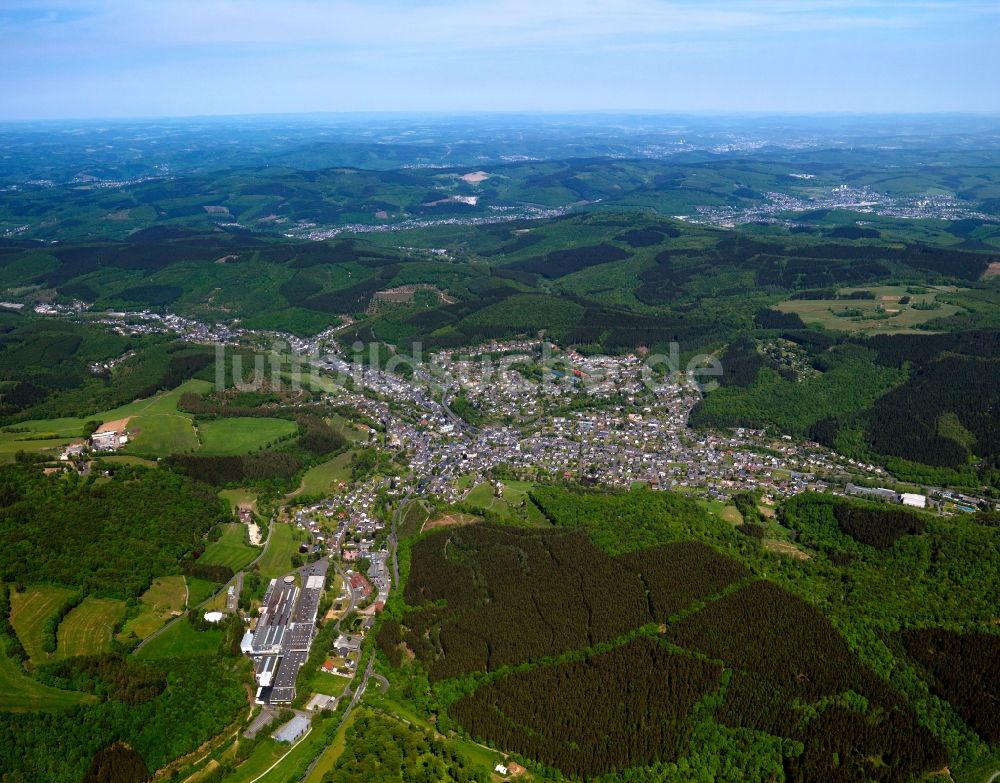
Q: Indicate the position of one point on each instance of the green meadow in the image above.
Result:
(231, 549)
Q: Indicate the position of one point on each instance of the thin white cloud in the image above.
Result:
(446, 24)
(99, 57)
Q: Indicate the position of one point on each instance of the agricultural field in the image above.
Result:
(20, 693)
(328, 684)
(240, 498)
(320, 479)
(87, 629)
(165, 597)
(231, 436)
(182, 639)
(199, 590)
(162, 434)
(284, 543)
(50, 447)
(50, 435)
(882, 314)
(231, 549)
(30, 610)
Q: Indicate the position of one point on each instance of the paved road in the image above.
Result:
(239, 576)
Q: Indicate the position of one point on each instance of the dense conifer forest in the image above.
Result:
(511, 596)
(620, 709)
(809, 677)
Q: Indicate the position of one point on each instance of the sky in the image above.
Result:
(158, 58)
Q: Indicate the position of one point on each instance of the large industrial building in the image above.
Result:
(279, 645)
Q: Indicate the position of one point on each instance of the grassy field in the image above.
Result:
(199, 590)
(87, 629)
(165, 596)
(20, 693)
(484, 497)
(159, 430)
(732, 515)
(29, 611)
(278, 558)
(231, 550)
(262, 757)
(905, 319)
(128, 459)
(9, 446)
(240, 497)
(161, 434)
(514, 501)
(347, 428)
(72, 427)
(157, 416)
(327, 684)
(319, 478)
(978, 771)
(226, 437)
(182, 639)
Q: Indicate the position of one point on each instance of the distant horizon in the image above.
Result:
(569, 113)
(108, 59)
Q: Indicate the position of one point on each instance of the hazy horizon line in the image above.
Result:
(401, 113)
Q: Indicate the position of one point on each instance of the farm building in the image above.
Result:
(110, 436)
(73, 451)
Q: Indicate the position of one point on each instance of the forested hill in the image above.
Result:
(925, 404)
(106, 536)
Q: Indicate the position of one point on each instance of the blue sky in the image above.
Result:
(132, 58)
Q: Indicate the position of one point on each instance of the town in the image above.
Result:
(538, 413)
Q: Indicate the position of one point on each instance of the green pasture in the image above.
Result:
(320, 479)
(20, 693)
(30, 610)
(231, 436)
(284, 543)
(165, 596)
(87, 629)
(231, 549)
(876, 315)
(182, 639)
